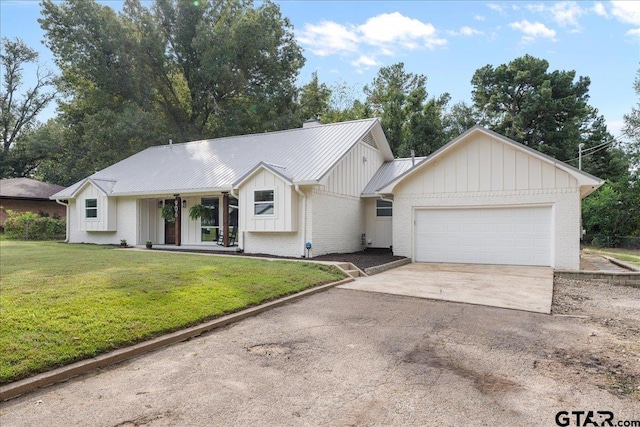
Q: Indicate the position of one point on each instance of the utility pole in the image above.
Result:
(580, 146)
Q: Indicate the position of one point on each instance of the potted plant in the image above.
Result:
(123, 243)
(149, 244)
(200, 211)
(167, 213)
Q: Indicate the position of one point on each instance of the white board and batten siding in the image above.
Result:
(485, 192)
(285, 216)
(378, 228)
(352, 174)
(106, 219)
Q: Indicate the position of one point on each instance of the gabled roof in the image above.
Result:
(387, 173)
(26, 188)
(588, 183)
(304, 155)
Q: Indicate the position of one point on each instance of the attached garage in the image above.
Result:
(486, 199)
(501, 235)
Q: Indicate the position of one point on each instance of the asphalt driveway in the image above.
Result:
(505, 286)
(346, 357)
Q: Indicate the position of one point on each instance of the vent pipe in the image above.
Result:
(413, 157)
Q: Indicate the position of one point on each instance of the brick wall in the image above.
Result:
(35, 206)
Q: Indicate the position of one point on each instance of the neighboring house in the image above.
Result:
(482, 198)
(28, 195)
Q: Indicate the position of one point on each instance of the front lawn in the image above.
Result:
(60, 303)
(631, 256)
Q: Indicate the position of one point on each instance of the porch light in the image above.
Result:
(184, 203)
(160, 204)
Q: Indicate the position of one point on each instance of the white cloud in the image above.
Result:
(629, 13)
(600, 10)
(495, 7)
(328, 38)
(466, 31)
(626, 11)
(384, 34)
(479, 18)
(394, 28)
(533, 30)
(365, 61)
(567, 13)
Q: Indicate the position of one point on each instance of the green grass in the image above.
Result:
(631, 256)
(60, 303)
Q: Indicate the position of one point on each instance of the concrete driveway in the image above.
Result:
(505, 286)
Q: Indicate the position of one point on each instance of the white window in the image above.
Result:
(384, 208)
(263, 202)
(91, 208)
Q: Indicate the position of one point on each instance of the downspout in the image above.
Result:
(241, 231)
(304, 217)
(68, 219)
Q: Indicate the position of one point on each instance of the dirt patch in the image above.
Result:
(612, 360)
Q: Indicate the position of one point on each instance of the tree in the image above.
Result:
(314, 98)
(179, 70)
(631, 130)
(410, 121)
(19, 111)
(545, 110)
(459, 119)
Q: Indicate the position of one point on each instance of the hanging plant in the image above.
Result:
(168, 213)
(201, 211)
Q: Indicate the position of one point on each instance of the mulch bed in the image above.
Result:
(369, 257)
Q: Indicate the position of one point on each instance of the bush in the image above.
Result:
(30, 226)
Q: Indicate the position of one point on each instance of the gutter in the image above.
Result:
(304, 217)
(68, 219)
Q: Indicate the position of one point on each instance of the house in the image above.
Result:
(481, 198)
(28, 195)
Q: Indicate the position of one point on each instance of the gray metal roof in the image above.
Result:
(388, 172)
(26, 188)
(303, 154)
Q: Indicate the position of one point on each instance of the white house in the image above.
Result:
(482, 198)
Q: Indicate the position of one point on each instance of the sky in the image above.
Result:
(447, 41)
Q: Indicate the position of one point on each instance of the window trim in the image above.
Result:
(88, 208)
(272, 202)
(388, 208)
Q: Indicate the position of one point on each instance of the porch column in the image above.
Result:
(225, 219)
(177, 209)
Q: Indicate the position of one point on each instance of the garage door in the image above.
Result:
(514, 236)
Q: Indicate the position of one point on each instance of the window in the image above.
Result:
(384, 208)
(91, 208)
(263, 202)
(209, 227)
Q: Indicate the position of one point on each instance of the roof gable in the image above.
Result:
(587, 182)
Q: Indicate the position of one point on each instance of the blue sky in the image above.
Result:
(348, 41)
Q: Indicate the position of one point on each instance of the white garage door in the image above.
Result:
(515, 236)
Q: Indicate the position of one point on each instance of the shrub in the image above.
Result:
(30, 226)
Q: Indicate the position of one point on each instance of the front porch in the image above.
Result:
(207, 222)
(195, 248)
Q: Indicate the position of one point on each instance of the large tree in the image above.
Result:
(410, 120)
(546, 110)
(179, 69)
(314, 99)
(19, 108)
(631, 130)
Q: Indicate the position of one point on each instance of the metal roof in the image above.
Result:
(26, 188)
(388, 172)
(303, 154)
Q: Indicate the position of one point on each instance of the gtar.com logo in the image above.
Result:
(591, 418)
